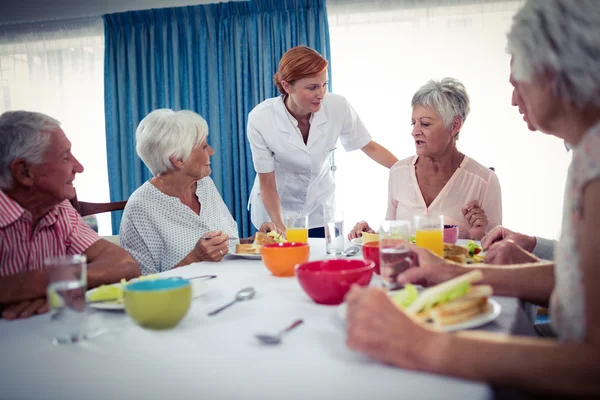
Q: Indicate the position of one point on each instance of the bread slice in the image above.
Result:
(247, 248)
(455, 253)
(261, 238)
(468, 309)
(473, 303)
(427, 295)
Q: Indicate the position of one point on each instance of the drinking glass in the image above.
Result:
(394, 254)
(334, 231)
(430, 233)
(67, 283)
(296, 228)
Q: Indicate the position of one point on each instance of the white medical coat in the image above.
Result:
(303, 173)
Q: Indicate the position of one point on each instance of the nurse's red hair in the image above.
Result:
(298, 63)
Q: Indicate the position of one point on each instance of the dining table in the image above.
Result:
(219, 357)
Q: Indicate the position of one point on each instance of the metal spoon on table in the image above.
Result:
(351, 251)
(276, 339)
(242, 295)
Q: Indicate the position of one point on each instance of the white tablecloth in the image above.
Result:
(218, 357)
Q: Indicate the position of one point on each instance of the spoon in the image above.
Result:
(242, 295)
(351, 251)
(276, 339)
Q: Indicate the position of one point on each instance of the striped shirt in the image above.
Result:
(61, 231)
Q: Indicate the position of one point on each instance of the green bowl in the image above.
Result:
(158, 304)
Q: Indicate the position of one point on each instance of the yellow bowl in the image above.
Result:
(369, 237)
(158, 304)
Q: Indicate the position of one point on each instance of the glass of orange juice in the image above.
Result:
(296, 228)
(430, 233)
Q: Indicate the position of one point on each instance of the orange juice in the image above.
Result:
(432, 239)
(299, 235)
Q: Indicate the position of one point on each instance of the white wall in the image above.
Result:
(23, 11)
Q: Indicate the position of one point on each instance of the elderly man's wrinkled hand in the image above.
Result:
(212, 247)
(430, 269)
(375, 326)
(358, 229)
(25, 309)
(500, 233)
(507, 252)
(477, 219)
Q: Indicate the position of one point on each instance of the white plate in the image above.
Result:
(357, 241)
(198, 289)
(492, 313)
(249, 256)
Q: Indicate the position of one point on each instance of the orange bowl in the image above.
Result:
(371, 252)
(281, 258)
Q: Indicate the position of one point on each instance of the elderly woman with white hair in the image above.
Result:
(178, 217)
(440, 179)
(555, 45)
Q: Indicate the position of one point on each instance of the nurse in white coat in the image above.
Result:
(292, 137)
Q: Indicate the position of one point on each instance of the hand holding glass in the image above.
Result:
(394, 254)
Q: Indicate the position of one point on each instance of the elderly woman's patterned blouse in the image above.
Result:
(568, 300)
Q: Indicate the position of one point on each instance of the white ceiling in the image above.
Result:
(23, 11)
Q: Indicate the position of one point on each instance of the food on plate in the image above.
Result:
(368, 237)
(469, 254)
(473, 248)
(115, 290)
(260, 239)
(448, 303)
(455, 253)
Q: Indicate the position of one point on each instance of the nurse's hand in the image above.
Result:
(358, 229)
(269, 227)
(477, 219)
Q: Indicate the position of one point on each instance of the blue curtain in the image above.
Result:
(216, 59)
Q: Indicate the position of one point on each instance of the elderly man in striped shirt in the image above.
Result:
(37, 221)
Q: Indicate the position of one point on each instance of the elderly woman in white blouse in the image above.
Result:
(555, 45)
(440, 180)
(178, 217)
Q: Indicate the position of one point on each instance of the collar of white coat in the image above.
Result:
(283, 123)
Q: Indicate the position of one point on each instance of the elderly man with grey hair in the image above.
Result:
(440, 179)
(555, 46)
(37, 221)
(178, 217)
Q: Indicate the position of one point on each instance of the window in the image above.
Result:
(383, 51)
(59, 70)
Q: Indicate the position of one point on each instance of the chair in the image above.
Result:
(85, 208)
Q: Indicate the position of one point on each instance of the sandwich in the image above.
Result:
(463, 255)
(260, 239)
(448, 303)
(455, 253)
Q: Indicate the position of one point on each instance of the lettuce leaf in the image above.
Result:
(456, 291)
(473, 247)
(405, 297)
(276, 236)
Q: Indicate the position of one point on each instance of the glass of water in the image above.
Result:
(334, 231)
(67, 283)
(394, 253)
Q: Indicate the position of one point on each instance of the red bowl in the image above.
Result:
(328, 281)
(370, 252)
